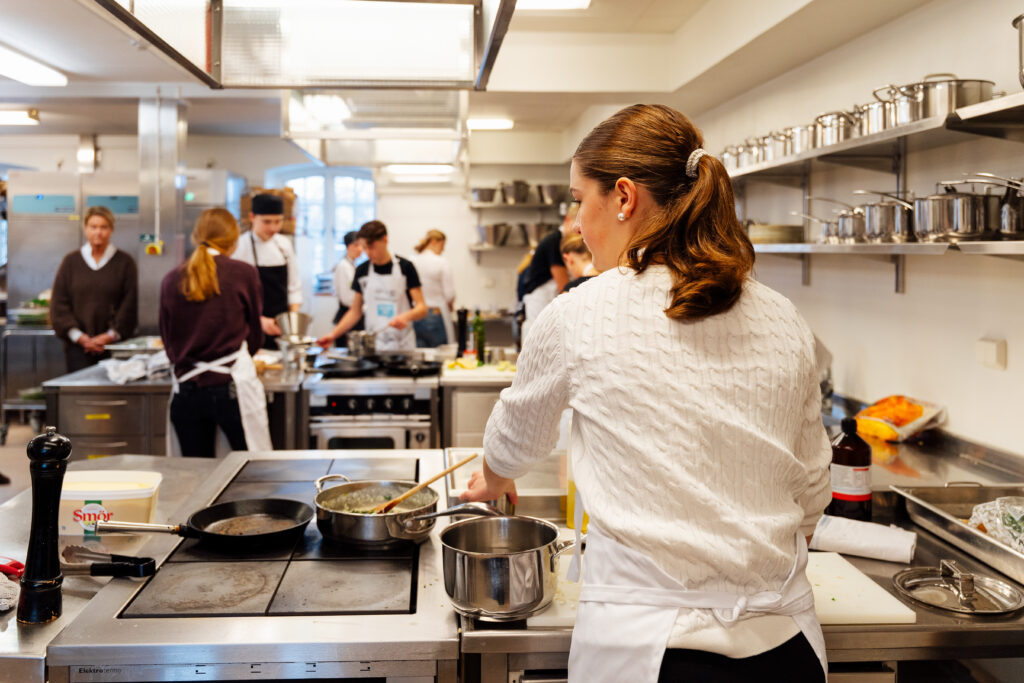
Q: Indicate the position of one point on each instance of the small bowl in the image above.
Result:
(484, 195)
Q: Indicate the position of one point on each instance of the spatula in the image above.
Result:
(385, 507)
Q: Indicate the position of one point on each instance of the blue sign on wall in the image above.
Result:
(43, 204)
(124, 203)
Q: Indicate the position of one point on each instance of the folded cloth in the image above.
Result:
(124, 371)
(8, 593)
(850, 537)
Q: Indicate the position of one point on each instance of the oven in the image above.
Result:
(350, 434)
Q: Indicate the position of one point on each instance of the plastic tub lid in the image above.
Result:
(110, 484)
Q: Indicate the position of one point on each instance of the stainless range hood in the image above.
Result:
(293, 44)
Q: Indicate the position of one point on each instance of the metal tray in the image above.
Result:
(944, 511)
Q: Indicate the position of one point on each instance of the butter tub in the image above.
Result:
(107, 495)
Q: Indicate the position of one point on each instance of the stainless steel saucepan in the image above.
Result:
(342, 512)
(1004, 216)
(949, 216)
(829, 229)
(851, 221)
(887, 221)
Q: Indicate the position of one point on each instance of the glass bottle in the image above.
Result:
(851, 475)
(477, 326)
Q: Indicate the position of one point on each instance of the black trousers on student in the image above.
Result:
(794, 662)
(197, 411)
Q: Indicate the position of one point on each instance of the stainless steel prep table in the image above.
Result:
(512, 649)
(403, 648)
(23, 648)
(104, 418)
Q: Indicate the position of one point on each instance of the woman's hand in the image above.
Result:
(486, 485)
(90, 344)
(269, 326)
(325, 342)
(398, 322)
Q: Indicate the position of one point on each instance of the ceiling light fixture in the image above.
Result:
(490, 124)
(19, 118)
(20, 68)
(543, 5)
(419, 169)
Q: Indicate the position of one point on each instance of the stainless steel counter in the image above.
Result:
(94, 379)
(23, 648)
(100, 645)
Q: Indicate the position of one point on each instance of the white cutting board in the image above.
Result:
(842, 595)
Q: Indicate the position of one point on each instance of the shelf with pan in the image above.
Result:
(476, 206)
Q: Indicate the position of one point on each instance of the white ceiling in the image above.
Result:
(109, 69)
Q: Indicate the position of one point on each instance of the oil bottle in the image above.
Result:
(851, 475)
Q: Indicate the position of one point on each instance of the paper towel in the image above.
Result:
(850, 537)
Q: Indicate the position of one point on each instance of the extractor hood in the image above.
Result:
(292, 44)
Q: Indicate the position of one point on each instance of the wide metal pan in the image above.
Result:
(238, 525)
(341, 511)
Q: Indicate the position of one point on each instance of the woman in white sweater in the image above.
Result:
(697, 445)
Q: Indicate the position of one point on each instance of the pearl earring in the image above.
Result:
(621, 216)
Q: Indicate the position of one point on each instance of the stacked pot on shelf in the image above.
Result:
(893, 106)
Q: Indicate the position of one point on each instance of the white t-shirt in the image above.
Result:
(701, 443)
(435, 278)
(344, 273)
(277, 251)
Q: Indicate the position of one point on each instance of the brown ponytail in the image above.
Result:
(215, 228)
(693, 228)
(432, 235)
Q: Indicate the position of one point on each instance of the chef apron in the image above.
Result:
(384, 297)
(274, 280)
(535, 301)
(628, 606)
(252, 401)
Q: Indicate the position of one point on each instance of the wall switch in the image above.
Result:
(991, 353)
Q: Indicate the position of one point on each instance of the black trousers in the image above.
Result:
(794, 662)
(197, 411)
(77, 359)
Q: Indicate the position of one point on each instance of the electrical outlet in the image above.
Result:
(991, 353)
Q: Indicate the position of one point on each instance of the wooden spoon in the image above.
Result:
(385, 507)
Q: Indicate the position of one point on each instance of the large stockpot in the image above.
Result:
(941, 94)
(904, 102)
(949, 216)
(851, 227)
(749, 153)
(874, 117)
(1018, 23)
(887, 221)
(337, 521)
(801, 138)
(834, 127)
(1005, 215)
(730, 158)
(500, 568)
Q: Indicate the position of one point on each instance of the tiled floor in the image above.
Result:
(14, 460)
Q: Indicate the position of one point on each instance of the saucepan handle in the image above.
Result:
(139, 527)
(482, 509)
(328, 477)
(562, 546)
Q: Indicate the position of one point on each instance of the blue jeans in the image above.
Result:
(430, 331)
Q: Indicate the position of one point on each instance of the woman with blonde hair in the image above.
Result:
(210, 323)
(438, 291)
(578, 261)
(95, 294)
(697, 443)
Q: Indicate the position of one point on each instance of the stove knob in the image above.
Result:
(352, 404)
(420, 437)
(389, 405)
(371, 404)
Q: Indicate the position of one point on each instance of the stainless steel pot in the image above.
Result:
(337, 520)
(1004, 216)
(834, 127)
(949, 216)
(829, 233)
(801, 138)
(851, 227)
(362, 344)
(874, 117)
(1018, 23)
(887, 221)
(500, 568)
(765, 148)
(941, 94)
(904, 102)
(730, 157)
(750, 153)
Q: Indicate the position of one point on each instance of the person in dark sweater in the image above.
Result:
(95, 297)
(209, 306)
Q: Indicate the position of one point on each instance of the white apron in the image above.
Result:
(252, 400)
(385, 297)
(535, 302)
(628, 606)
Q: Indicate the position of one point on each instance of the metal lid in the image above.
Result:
(950, 587)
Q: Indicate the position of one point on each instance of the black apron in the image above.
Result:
(274, 280)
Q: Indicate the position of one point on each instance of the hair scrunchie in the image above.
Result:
(693, 160)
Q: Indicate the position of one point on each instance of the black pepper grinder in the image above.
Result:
(462, 330)
(40, 599)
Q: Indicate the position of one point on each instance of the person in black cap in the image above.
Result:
(274, 258)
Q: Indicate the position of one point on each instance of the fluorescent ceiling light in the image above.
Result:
(422, 179)
(419, 169)
(19, 118)
(489, 124)
(28, 71)
(534, 5)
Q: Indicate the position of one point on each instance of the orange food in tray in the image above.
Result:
(896, 418)
(899, 410)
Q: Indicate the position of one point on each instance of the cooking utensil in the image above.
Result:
(494, 234)
(904, 102)
(851, 227)
(730, 158)
(294, 324)
(949, 216)
(500, 568)
(951, 587)
(874, 117)
(11, 567)
(362, 343)
(834, 127)
(346, 367)
(801, 138)
(750, 153)
(234, 526)
(79, 560)
(1009, 218)
(483, 195)
(829, 229)
(943, 93)
(389, 505)
(887, 221)
(337, 519)
(414, 368)
(518, 192)
(552, 193)
(1020, 46)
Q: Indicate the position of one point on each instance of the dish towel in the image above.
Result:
(867, 539)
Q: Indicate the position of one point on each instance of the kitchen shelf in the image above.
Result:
(479, 249)
(1002, 117)
(1007, 249)
(504, 207)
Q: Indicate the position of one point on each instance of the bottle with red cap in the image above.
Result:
(851, 475)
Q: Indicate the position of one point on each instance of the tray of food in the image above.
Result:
(983, 521)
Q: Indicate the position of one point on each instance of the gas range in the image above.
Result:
(312, 610)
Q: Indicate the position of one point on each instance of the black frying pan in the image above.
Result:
(347, 367)
(237, 525)
(414, 368)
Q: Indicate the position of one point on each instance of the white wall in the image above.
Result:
(922, 342)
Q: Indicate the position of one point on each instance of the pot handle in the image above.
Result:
(1009, 182)
(889, 90)
(139, 527)
(561, 547)
(835, 201)
(328, 477)
(808, 217)
(482, 509)
(902, 202)
(939, 77)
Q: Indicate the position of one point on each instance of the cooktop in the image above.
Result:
(312, 576)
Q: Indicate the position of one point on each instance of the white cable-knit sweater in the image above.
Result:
(701, 444)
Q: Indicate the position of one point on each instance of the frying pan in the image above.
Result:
(348, 367)
(414, 368)
(236, 525)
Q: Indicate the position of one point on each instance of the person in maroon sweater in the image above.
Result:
(209, 306)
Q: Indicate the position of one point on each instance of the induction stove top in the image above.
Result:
(312, 576)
